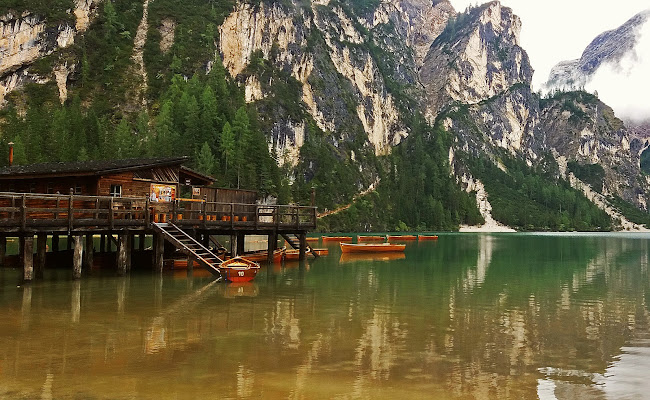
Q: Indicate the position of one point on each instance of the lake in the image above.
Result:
(470, 316)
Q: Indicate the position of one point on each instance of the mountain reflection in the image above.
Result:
(471, 316)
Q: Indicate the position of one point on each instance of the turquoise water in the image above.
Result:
(470, 316)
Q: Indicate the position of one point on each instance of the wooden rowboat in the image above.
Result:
(238, 270)
(370, 238)
(427, 237)
(312, 239)
(401, 237)
(291, 255)
(337, 238)
(371, 247)
(262, 256)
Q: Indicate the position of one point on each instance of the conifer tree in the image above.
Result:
(205, 160)
(165, 131)
(227, 149)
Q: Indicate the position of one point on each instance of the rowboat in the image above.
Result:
(238, 269)
(337, 238)
(312, 239)
(427, 237)
(262, 255)
(371, 247)
(401, 238)
(370, 238)
(291, 255)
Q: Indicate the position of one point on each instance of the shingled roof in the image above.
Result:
(86, 168)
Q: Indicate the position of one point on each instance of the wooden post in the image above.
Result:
(3, 249)
(241, 240)
(233, 245)
(272, 244)
(70, 211)
(190, 262)
(158, 250)
(27, 245)
(77, 256)
(90, 251)
(129, 249)
(102, 243)
(303, 245)
(23, 214)
(55, 242)
(141, 242)
(68, 244)
(41, 247)
(122, 249)
(205, 240)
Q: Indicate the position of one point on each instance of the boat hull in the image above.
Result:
(337, 238)
(402, 238)
(427, 237)
(371, 238)
(292, 255)
(372, 248)
(238, 269)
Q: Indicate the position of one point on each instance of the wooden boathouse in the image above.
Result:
(122, 199)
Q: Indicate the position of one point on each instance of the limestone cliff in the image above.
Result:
(26, 37)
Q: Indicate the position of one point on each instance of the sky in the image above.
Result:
(558, 30)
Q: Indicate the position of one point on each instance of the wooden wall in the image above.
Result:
(130, 188)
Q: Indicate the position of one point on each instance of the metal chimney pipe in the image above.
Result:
(11, 153)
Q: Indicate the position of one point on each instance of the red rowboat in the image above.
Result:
(386, 256)
(262, 256)
(371, 247)
(239, 270)
(337, 238)
(371, 238)
(292, 255)
(401, 237)
(427, 237)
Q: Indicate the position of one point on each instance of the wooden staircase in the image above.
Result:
(294, 242)
(189, 246)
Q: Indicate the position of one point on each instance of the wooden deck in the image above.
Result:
(25, 213)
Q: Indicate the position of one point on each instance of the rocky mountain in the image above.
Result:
(406, 101)
(608, 47)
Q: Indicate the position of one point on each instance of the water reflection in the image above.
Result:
(471, 316)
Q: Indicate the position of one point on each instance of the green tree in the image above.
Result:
(205, 160)
(227, 149)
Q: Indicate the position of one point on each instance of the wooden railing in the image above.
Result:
(29, 211)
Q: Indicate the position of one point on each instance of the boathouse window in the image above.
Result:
(50, 188)
(77, 188)
(116, 190)
(32, 188)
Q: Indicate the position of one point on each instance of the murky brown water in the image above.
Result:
(467, 317)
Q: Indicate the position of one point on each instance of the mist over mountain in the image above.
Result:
(615, 65)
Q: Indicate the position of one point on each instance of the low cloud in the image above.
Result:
(625, 85)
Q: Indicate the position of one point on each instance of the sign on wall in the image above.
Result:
(162, 193)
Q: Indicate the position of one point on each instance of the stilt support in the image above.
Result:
(233, 245)
(272, 244)
(27, 246)
(41, 247)
(241, 239)
(122, 254)
(89, 254)
(158, 250)
(3, 250)
(77, 254)
(55, 243)
(303, 246)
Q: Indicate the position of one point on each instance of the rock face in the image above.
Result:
(323, 49)
(477, 78)
(477, 57)
(26, 38)
(609, 47)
